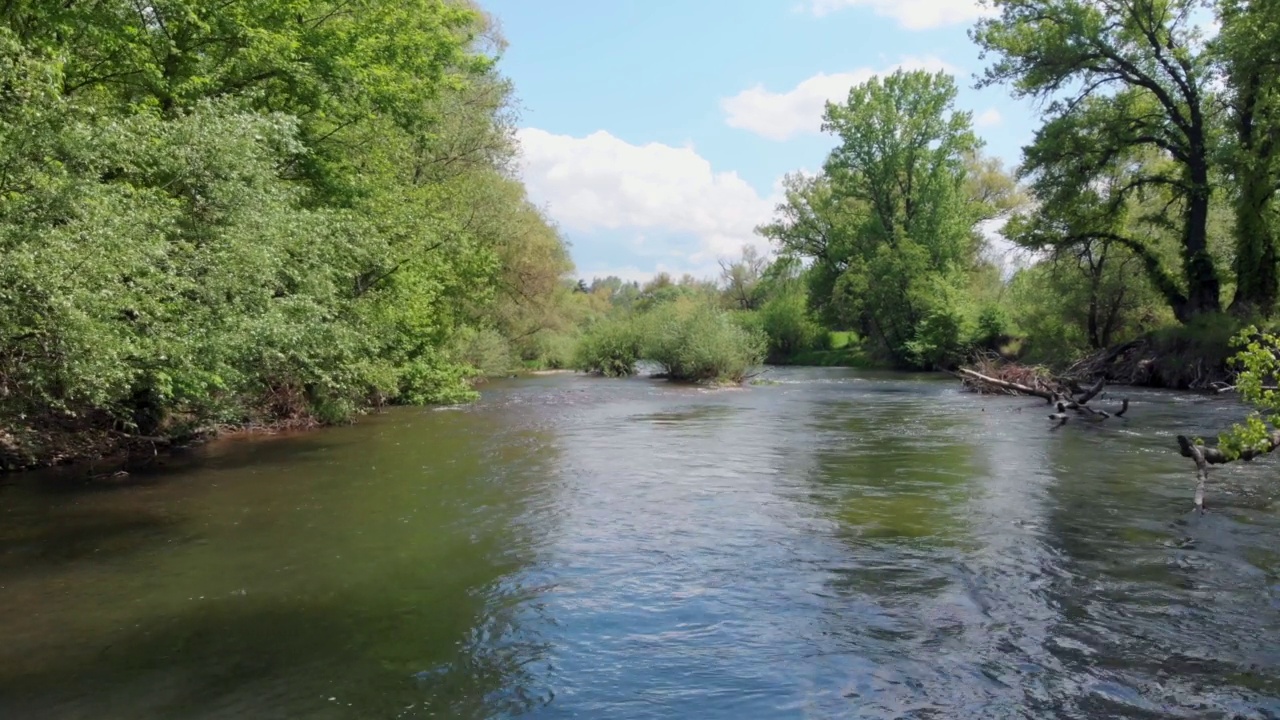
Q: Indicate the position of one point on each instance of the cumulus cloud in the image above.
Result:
(990, 117)
(671, 198)
(911, 14)
(783, 115)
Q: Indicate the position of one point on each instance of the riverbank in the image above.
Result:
(1193, 358)
(98, 450)
(76, 441)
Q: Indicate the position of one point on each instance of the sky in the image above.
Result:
(656, 133)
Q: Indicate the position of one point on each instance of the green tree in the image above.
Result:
(893, 222)
(221, 212)
(816, 222)
(1247, 48)
(1117, 77)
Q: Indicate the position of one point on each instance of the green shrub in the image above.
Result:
(939, 339)
(485, 349)
(695, 341)
(993, 327)
(611, 347)
(786, 321)
(556, 351)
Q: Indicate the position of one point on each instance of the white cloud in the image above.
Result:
(911, 14)
(671, 198)
(782, 115)
(990, 117)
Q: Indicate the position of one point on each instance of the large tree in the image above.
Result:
(892, 221)
(1248, 48)
(1117, 76)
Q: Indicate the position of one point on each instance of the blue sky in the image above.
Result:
(655, 132)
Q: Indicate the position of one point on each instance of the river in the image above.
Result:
(835, 545)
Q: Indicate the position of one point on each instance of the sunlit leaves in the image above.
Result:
(1258, 358)
(892, 221)
(216, 211)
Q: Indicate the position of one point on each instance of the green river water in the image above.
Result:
(836, 545)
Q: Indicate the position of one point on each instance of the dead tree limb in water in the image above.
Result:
(1202, 468)
(1214, 456)
(1092, 392)
(1205, 456)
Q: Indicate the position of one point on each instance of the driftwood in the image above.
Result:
(1066, 395)
(1225, 388)
(1196, 453)
(1008, 386)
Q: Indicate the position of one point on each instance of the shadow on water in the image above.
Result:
(397, 656)
(70, 536)
(362, 572)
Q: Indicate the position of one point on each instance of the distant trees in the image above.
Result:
(1149, 190)
(741, 278)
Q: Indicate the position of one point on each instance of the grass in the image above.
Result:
(850, 356)
(841, 339)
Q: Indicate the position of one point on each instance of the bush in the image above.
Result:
(610, 347)
(786, 321)
(485, 349)
(993, 328)
(938, 341)
(696, 341)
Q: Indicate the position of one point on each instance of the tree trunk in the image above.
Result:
(1203, 286)
(1256, 282)
(1257, 286)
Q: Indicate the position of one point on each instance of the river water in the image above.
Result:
(836, 545)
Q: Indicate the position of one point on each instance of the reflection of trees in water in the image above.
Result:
(398, 589)
(944, 593)
(284, 658)
(893, 473)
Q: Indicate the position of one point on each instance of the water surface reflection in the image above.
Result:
(836, 545)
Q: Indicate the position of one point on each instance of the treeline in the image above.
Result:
(1144, 204)
(230, 213)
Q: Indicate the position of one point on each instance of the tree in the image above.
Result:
(1118, 76)
(741, 278)
(217, 212)
(816, 222)
(900, 175)
(1248, 48)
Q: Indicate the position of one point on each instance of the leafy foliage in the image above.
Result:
(891, 224)
(696, 341)
(692, 339)
(611, 347)
(1258, 358)
(228, 212)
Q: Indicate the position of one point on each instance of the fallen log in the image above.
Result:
(1202, 469)
(1220, 388)
(1068, 396)
(1092, 392)
(1087, 412)
(1018, 388)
